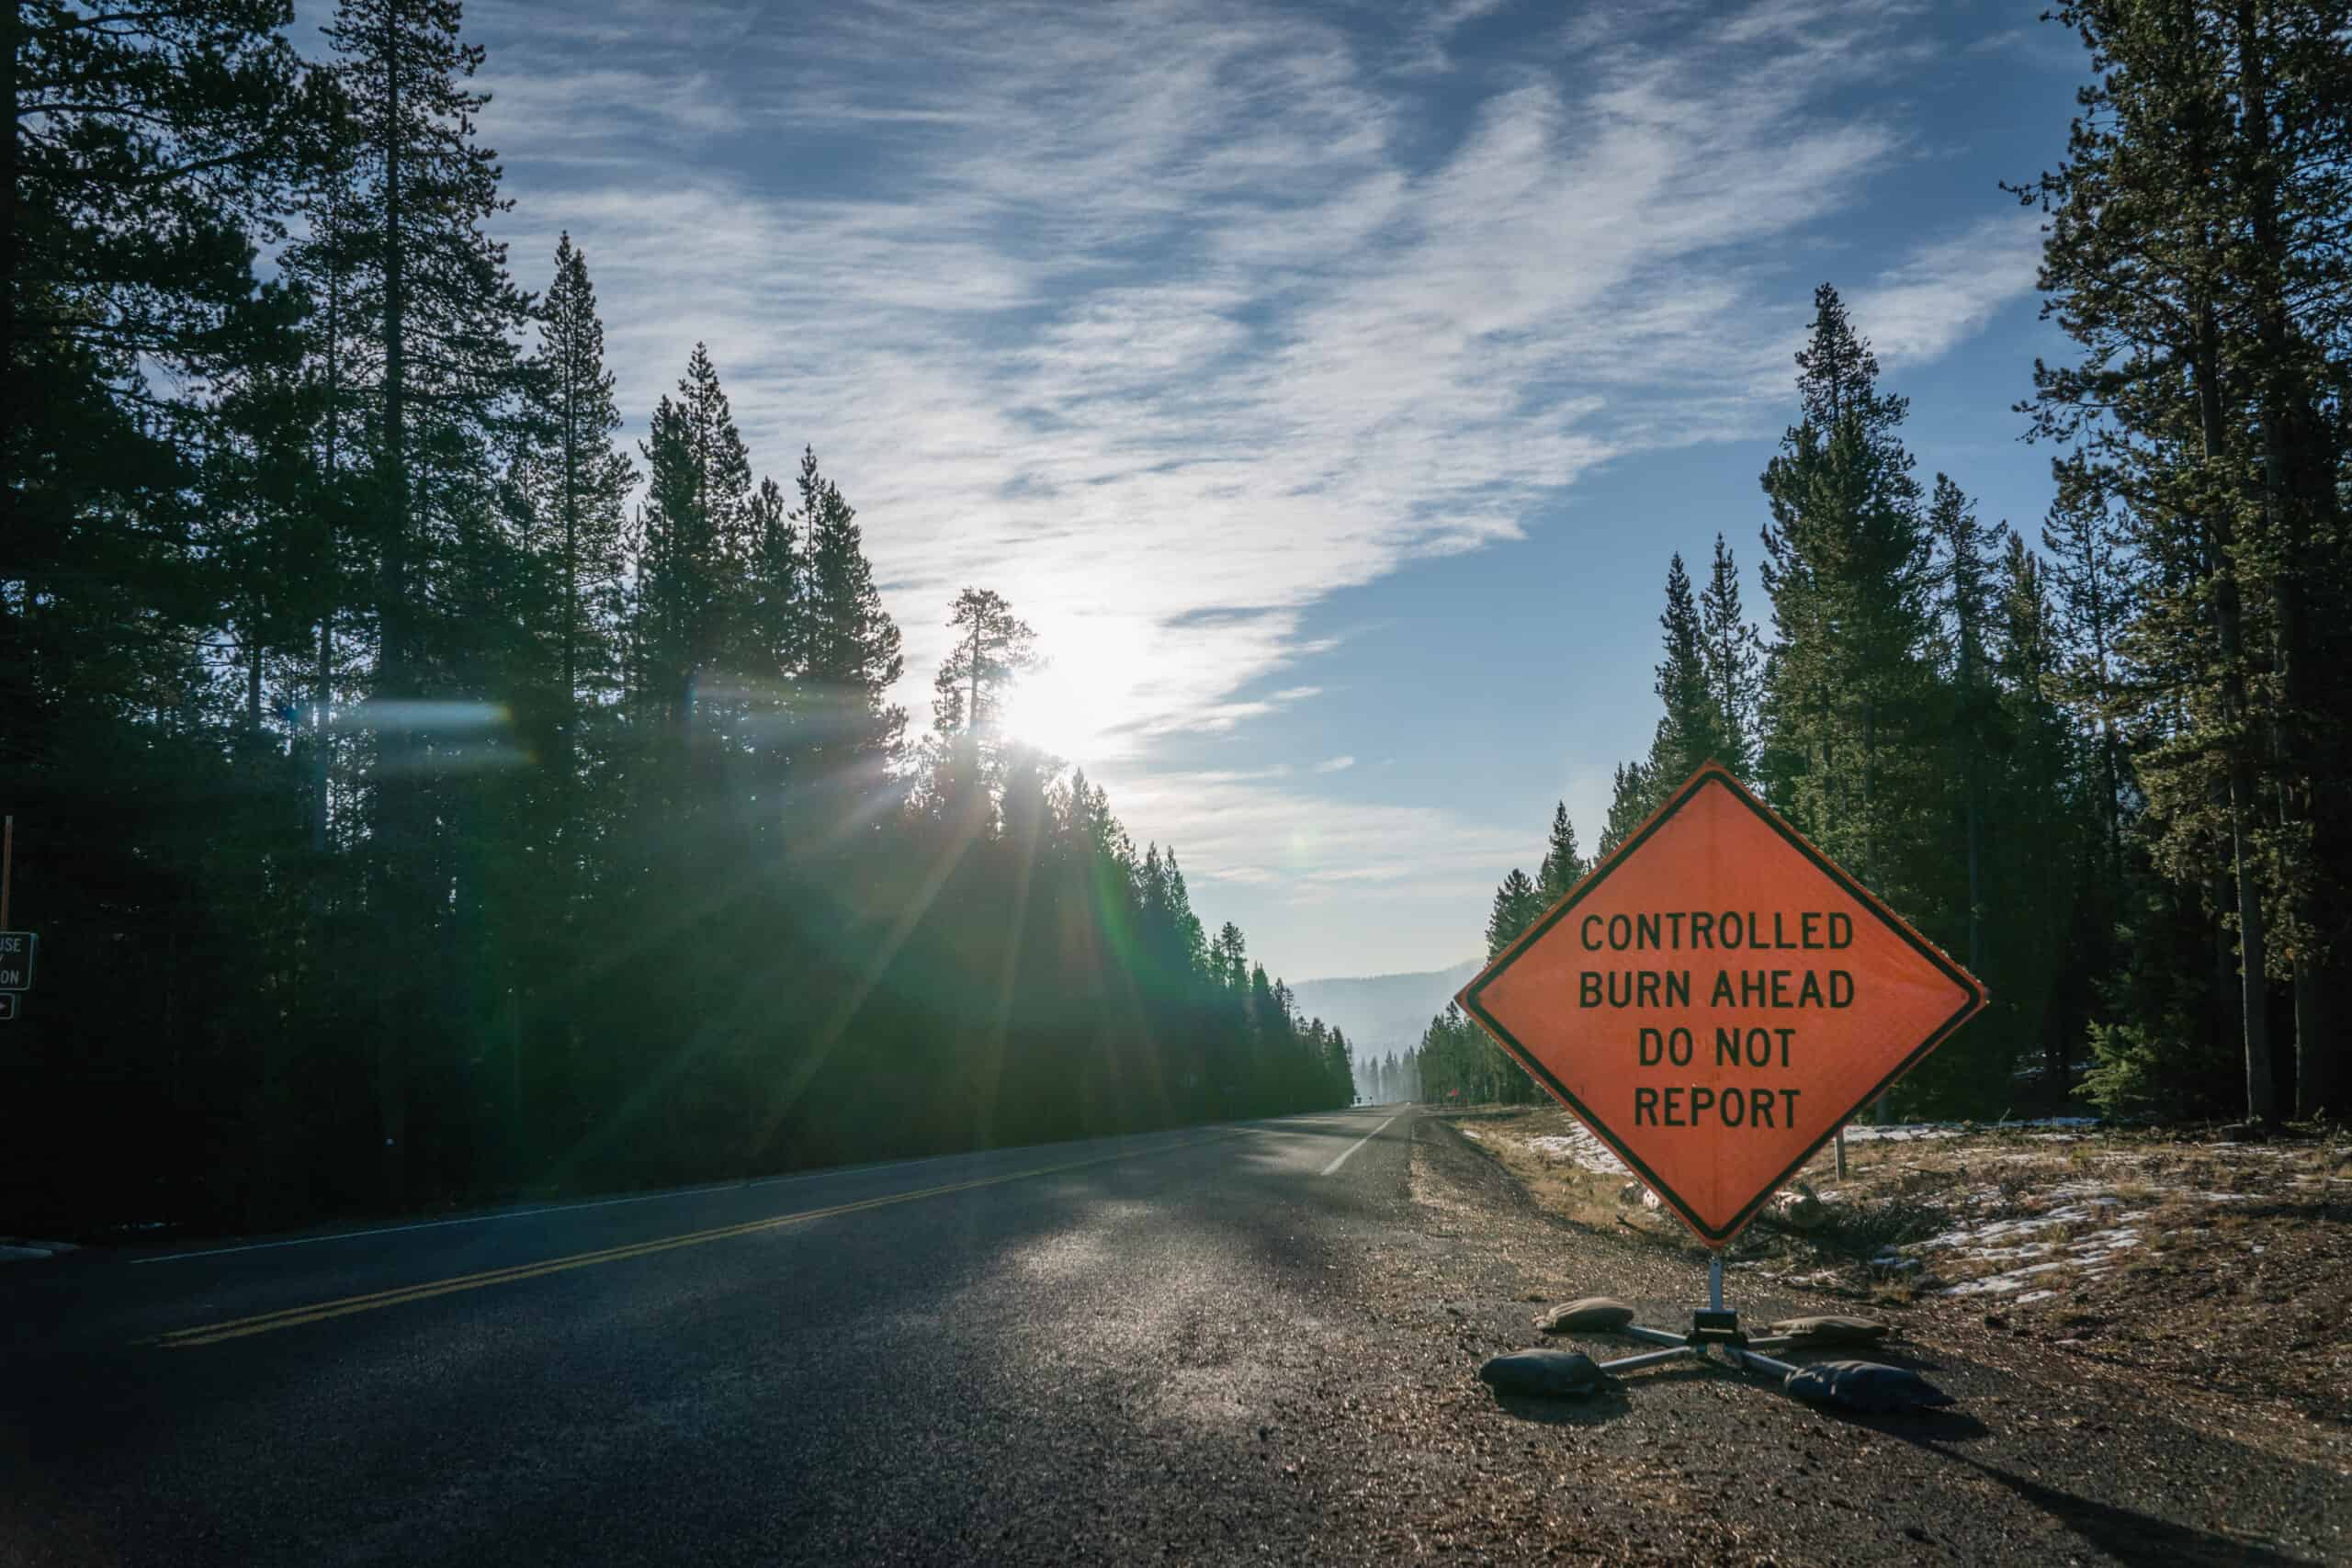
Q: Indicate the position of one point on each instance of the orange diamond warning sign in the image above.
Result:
(1716, 999)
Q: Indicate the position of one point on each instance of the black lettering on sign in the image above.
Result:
(1653, 1046)
(1750, 1048)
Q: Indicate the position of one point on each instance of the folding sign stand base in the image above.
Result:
(1712, 1326)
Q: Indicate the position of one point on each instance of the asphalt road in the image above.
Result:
(971, 1357)
(1254, 1342)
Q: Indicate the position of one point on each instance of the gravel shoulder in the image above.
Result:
(2050, 1455)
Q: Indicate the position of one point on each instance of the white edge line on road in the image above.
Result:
(1357, 1145)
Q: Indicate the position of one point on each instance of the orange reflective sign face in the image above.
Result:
(1716, 998)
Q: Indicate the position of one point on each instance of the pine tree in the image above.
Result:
(147, 151)
(1232, 959)
(1692, 731)
(1517, 904)
(1847, 693)
(579, 482)
(694, 553)
(2192, 257)
(1952, 519)
(2089, 570)
(1563, 865)
(993, 648)
(849, 656)
(1733, 656)
(431, 294)
(1630, 803)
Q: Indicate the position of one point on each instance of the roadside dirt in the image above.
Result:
(2211, 1266)
(2056, 1453)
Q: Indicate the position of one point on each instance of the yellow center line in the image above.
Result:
(287, 1317)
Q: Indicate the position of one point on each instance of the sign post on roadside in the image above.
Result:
(1716, 1000)
(16, 947)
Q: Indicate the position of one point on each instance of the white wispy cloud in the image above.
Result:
(1168, 324)
(1948, 290)
(1335, 764)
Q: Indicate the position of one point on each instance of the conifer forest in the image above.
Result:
(425, 796)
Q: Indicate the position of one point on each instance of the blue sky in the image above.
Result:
(1327, 383)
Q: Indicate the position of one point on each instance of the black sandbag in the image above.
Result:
(1591, 1314)
(1551, 1373)
(1865, 1386)
(1830, 1328)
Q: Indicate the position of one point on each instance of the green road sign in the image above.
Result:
(15, 960)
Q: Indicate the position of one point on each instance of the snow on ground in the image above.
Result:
(2087, 1229)
(1579, 1147)
(2052, 1129)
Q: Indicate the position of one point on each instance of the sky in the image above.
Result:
(1329, 384)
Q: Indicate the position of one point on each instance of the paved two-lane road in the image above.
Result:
(1034, 1353)
(1254, 1343)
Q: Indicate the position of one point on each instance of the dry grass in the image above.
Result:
(2229, 1266)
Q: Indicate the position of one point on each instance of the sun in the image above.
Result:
(1083, 689)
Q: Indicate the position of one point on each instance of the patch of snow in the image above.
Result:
(1863, 1132)
(1578, 1148)
(2058, 1129)
(2001, 1284)
(1818, 1276)
(2032, 1296)
(1474, 1135)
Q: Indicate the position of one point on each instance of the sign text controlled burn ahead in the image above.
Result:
(1716, 998)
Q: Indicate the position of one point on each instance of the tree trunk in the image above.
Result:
(395, 788)
(11, 41)
(569, 708)
(2261, 1095)
(2293, 488)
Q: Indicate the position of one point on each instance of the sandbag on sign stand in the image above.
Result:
(1830, 1328)
(1865, 1386)
(1591, 1314)
(1557, 1375)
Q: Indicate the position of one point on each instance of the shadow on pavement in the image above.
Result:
(2131, 1536)
(1593, 1410)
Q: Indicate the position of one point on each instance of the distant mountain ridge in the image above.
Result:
(1383, 1012)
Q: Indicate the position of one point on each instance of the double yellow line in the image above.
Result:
(318, 1312)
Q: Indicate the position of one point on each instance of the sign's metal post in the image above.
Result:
(1713, 1324)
